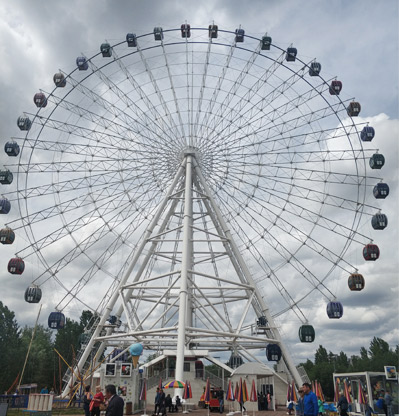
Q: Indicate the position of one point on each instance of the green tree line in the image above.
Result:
(44, 366)
(326, 363)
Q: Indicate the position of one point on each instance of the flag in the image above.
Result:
(143, 393)
(289, 393)
(254, 396)
(346, 392)
(230, 393)
(293, 396)
(321, 393)
(187, 394)
(244, 392)
(361, 397)
(160, 384)
(336, 392)
(207, 394)
(236, 392)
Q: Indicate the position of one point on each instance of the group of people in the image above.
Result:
(164, 403)
(113, 403)
(264, 400)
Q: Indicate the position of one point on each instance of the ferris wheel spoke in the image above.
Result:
(254, 109)
(143, 97)
(202, 91)
(158, 91)
(213, 100)
(80, 250)
(298, 210)
(138, 117)
(288, 256)
(229, 101)
(129, 129)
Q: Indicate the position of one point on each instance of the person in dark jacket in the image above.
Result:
(343, 405)
(115, 403)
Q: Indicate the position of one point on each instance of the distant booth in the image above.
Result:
(372, 385)
(266, 381)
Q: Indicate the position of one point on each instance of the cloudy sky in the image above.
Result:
(357, 41)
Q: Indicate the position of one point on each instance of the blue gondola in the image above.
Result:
(24, 123)
(106, 50)
(185, 30)
(56, 320)
(262, 321)
(33, 294)
(291, 54)
(367, 134)
(11, 148)
(307, 333)
(16, 266)
(335, 310)
(213, 31)
(7, 236)
(314, 69)
(59, 80)
(379, 221)
(371, 252)
(377, 161)
(82, 63)
(40, 100)
(6, 177)
(381, 190)
(353, 109)
(356, 282)
(335, 87)
(113, 320)
(131, 40)
(158, 33)
(265, 43)
(5, 206)
(273, 352)
(240, 35)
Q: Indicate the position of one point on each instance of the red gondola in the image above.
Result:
(16, 266)
(335, 87)
(371, 252)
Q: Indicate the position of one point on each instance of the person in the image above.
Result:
(168, 403)
(290, 407)
(321, 406)
(87, 400)
(162, 397)
(310, 407)
(98, 399)
(156, 403)
(44, 390)
(299, 408)
(388, 404)
(268, 399)
(115, 403)
(343, 405)
(178, 403)
(221, 401)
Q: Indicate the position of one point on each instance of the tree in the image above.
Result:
(39, 366)
(9, 347)
(321, 355)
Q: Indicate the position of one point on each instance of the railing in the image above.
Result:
(15, 401)
(215, 380)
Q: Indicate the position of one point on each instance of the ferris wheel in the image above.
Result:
(283, 181)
